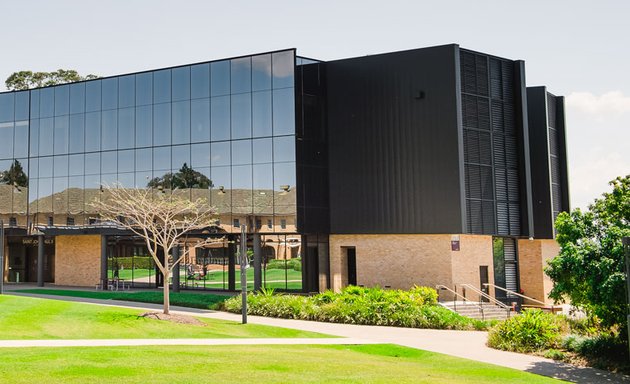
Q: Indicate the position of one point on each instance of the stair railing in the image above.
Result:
(491, 299)
(441, 287)
(519, 295)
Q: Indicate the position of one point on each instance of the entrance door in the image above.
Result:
(17, 264)
(352, 265)
(483, 280)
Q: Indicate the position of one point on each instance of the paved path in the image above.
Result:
(466, 344)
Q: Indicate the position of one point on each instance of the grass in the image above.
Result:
(255, 363)
(30, 318)
(182, 299)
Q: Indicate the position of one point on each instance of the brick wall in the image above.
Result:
(401, 261)
(533, 256)
(77, 260)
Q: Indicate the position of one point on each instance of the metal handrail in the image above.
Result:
(464, 299)
(485, 295)
(518, 294)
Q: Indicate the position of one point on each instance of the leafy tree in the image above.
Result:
(14, 175)
(186, 177)
(22, 80)
(590, 269)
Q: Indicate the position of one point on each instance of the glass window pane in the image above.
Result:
(126, 91)
(144, 159)
(45, 167)
(144, 88)
(284, 175)
(76, 165)
(109, 162)
(144, 126)
(261, 72)
(93, 131)
(7, 107)
(34, 103)
(92, 163)
(200, 120)
(93, 96)
(20, 148)
(241, 116)
(92, 182)
(46, 136)
(61, 135)
(126, 134)
(21, 105)
(109, 131)
(126, 180)
(45, 190)
(200, 81)
(283, 112)
(180, 155)
(263, 187)
(162, 86)
(142, 179)
(47, 102)
(110, 93)
(262, 151)
(77, 98)
(241, 71)
(77, 133)
(283, 65)
(241, 152)
(126, 161)
(181, 122)
(62, 100)
(61, 166)
(220, 118)
(220, 153)
(34, 140)
(162, 160)
(200, 155)
(220, 78)
(161, 124)
(284, 148)
(6, 140)
(222, 190)
(181, 83)
(261, 113)
(242, 186)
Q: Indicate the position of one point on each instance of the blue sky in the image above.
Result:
(579, 49)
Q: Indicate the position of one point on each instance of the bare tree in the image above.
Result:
(163, 220)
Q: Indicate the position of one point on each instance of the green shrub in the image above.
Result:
(358, 305)
(295, 264)
(532, 330)
(554, 354)
(137, 262)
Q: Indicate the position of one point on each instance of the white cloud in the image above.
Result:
(609, 102)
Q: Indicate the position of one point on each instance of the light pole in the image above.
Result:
(626, 251)
(243, 254)
(1, 256)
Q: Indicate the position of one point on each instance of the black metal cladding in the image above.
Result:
(394, 143)
(549, 168)
(491, 150)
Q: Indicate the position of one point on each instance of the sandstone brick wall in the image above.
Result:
(77, 260)
(533, 256)
(474, 251)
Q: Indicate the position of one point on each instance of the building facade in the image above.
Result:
(430, 166)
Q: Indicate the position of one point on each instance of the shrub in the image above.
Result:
(295, 264)
(554, 354)
(357, 305)
(531, 331)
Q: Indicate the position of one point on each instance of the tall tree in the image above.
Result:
(590, 269)
(14, 175)
(162, 220)
(22, 80)
(186, 177)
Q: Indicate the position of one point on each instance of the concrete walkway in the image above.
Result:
(466, 344)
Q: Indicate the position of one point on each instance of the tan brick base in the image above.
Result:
(77, 260)
(533, 256)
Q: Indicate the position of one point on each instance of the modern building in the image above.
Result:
(429, 166)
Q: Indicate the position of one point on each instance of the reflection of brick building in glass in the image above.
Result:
(430, 166)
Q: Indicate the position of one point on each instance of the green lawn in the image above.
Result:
(182, 299)
(250, 364)
(31, 318)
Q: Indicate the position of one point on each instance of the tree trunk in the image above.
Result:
(167, 301)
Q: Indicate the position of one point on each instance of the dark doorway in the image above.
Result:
(483, 280)
(352, 265)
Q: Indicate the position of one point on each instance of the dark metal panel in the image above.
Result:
(395, 143)
(562, 143)
(539, 157)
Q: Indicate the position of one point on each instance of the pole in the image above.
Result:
(40, 260)
(1, 256)
(243, 254)
(626, 251)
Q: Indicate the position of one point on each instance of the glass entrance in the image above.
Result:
(505, 266)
